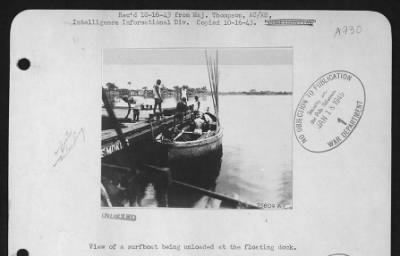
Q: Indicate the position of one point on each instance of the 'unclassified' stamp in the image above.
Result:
(329, 111)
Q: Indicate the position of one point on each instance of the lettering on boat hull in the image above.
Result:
(111, 148)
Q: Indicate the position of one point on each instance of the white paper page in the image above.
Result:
(304, 107)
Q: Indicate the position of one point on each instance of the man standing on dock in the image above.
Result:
(136, 109)
(157, 96)
(196, 108)
(184, 92)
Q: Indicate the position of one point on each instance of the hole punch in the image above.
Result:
(22, 252)
(23, 64)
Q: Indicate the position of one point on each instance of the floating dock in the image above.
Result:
(135, 132)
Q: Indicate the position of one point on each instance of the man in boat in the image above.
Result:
(198, 124)
(181, 109)
(207, 121)
(157, 96)
(202, 123)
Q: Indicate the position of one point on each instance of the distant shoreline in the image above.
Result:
(255, 93)
(248, 93)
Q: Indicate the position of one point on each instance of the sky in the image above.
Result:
(240, 69)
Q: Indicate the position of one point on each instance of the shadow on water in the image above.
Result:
(145, 188)
(201, 172)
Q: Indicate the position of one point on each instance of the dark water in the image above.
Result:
(257, 157)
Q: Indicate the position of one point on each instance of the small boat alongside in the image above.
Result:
(199, 138)
(184, 143)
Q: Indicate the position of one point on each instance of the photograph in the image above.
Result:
(197, 128)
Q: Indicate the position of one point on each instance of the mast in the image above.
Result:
(213, 77)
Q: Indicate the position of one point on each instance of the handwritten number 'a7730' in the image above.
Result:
(67, 144)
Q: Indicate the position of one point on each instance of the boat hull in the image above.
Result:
(196, 162)
(180, 151)
(188, 150)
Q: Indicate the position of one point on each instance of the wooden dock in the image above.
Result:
(135, 132)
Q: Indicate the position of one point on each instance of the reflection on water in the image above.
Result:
(202, 173)
(257, 157)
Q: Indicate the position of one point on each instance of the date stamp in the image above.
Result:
(329, 111)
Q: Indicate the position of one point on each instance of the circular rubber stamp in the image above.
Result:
(329, 111)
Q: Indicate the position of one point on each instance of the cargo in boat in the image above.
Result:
(185, 143)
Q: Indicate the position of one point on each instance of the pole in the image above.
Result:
(114, 120)
(206, 192)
